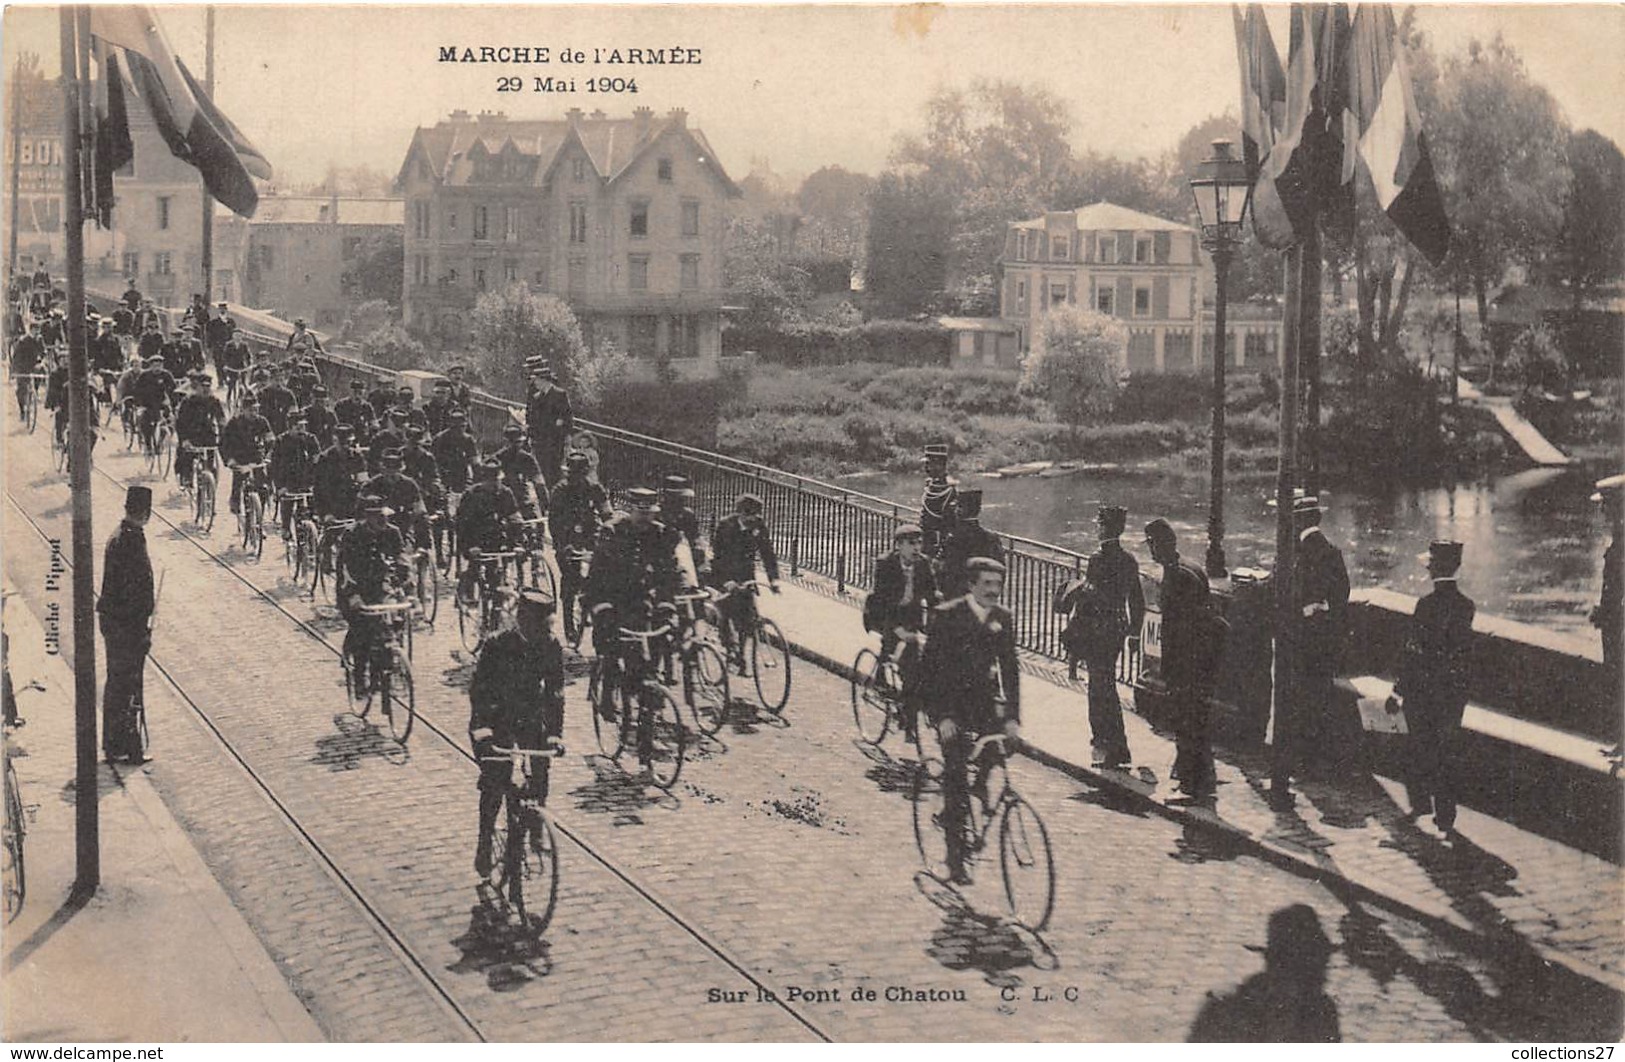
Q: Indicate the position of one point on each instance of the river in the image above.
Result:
(1534, 540)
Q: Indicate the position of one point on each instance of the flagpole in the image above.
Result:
(1309, 358)
(208, 200)
(87, 846)
(1283, 733)
(16, 162)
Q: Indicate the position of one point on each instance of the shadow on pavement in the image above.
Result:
(614, 792)
(510, 956)
(889, 775)
(357, 740)
(1112, 800)
(1204, 844)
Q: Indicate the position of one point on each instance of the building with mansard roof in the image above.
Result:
(622, 217)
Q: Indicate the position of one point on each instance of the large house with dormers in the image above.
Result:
(622, 217)
(1149, 272)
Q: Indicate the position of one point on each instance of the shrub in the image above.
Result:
(392, 347)
(598, 374)
(1074, 363)
(512, 324)
(1535, 360)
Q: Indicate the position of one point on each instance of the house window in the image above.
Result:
(132, 264)
(1176, 349)
(481, 223)
(691, 217)
(451, 221)
(539, 279)
(640, 219)
(479, 278)
(578, 276)
(1142, 250)
(267, 257)
(163, 212)
(663, 170)
(1105, 297)
(685, 336)
(420, 219)
(1021, 296)
(578, 169)
(1058, 248)
(1142, 300)
(510, 272)
(510, 224)
(162, 263)
(578, 221)
(1021, 245)
(691, 272)
(638, 272)
(420, 269)
(1108, 249)
(1057, 294)
(643, 329)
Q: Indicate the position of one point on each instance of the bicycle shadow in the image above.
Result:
(614, 792)
(461, 674)
(358, 740)
(889, 775)
(745, 716)
(991, 945)
(510, 956)
(1112, 800)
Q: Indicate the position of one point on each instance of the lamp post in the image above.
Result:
(1222, 193)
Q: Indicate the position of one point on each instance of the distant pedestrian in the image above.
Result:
(1306, 735)
(126, 606)
(938, 502)
(1192, 641)
(1432, 688)
(1287, 1001)
(549, 420)
(1106, 607)
(1609, 615)
(967, 539)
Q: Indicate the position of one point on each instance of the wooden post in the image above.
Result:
(1309, 354)
(208, 200)
(1285, 539)
(87, 847)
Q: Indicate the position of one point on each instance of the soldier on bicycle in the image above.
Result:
(197, 423)
(456, 453)
(245, 441)
(675, 512)
(905, 589)
(356, 412)
(391, 435)
(370, 570)
(320, 418)
(26, 357)
(969, 687)
(579, 506)
(485, 521)
(521, 474)
(739, 538)
(152, 392)
(277, 400)
(402, 495)
(236, 358)
(338, 469)
(437, 410)
(517, 701)
(293, 465)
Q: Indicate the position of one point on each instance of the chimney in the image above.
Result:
(679, 117)
(573, 115)
(641, 117)
(493, 116)
(459, 115)
(598, 116)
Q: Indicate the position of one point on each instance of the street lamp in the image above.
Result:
(1222, 193)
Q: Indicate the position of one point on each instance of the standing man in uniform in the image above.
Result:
(1320, 597)
(938, 504)
(549, 420)
(217, 333)
(967, 539)
(1188, 660)
(460, 393)
(1432, 687)
(125, 607)
(1609, 615)
(675, 513)
(1119, 613)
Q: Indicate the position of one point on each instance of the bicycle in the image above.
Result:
(526, 877)
(325, 561)
(658, 729)
(13, 871)
(205, 493)
(160, 445)
(251, 519)
(493, 601)
(234, 386)
(538, 574)
(391, 670)
(877, 693)
(705, 671)
(31, 397)
(425, 583)
(1026, 862)
(573, 567)
(765, 649)
(299, 535)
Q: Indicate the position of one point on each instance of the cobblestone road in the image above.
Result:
(786, 847)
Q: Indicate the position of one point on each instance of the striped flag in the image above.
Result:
(1383, 116)
(195, 130)
(1283, 197)
(1263, 86)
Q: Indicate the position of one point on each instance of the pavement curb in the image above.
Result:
(1285, 859)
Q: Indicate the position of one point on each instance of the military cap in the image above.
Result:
(415, 431)
(298, 321)
(358, 385)
(513, 430)
(936, 450)
(344, 431)
(1308, 503)
(1160, 530)
(372, 503)
(977, 565)
(642, 498)
(970, 503)
(392, 457)
(404, 390)
(457, 368)
(1112, 519)
(457, 414)
(442, 384)
(298, 416)
(748, 502)
(318, 392)
(906, 531)
(138, 501)
(673, 484)
(576, 459)
(534, 600)
(1444, 555)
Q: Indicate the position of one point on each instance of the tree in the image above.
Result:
(597, 373)
(1075, 364)
(1592, 242)
(1501, 155)
(379, 267)
(757, 269)
(512, 324)
(910, 223)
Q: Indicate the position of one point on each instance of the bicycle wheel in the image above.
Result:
(253, 524)
(929, 804)
(325, 572)
(31, 410)
(398, 694)
(15, 880)
(705, 686)
(770, 665)
(1027, 864)
(166, 454)
(205, 501)
(535, 889)
(304, 561)
(428, 586)
(606, 715)
(668, 737)
(470, 611)
(869, 708)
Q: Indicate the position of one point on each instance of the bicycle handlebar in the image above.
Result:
(986, 740)
(514, 754)
(630, 635)
(388, 607)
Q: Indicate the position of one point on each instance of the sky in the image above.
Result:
(800, 86)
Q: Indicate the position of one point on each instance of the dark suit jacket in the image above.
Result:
(957, 672)
(1319, 575)
(967, 540)
(127, 598)
(1183, 600)
(1435, 673)
(549, 420)
(885, 608)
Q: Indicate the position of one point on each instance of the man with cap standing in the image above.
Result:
(739, 539)
(219, 331)
(517, 701)
(675, 513)
(370, 565)
(549, 420)
(125, 608)
(1116, 610)
(356, 411)
(905, 590)
(1320, 597)
(132, 297)
(938, 504)
(1432, 687)
(967, 539)
(1609, 615)
(437, 410)
(459, 392)
(970, 686)
(1189, 659)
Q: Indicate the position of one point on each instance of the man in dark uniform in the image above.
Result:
(302, 340)
(276, 400)
(125, 607)
(486, 520)
(676, 514)
(198, 422)
(219, 331)
(401, 494)
(381, 397)
(236, 358)
(132, 297)
(153, 393)
(1432, 687)
(105, 353)
(549, 420)
(739, 539)
(455, 453)
(520, 473)
(905, 590)
(320, 418)
(410, 414)
(196, 315)
(391, 435)
(244, 442)
(970, 686)
(1189, 660)
(1609, 615)
(577, 509)
(27, 356)
(356, 411)
(438, 408)
(459, 392)
(517, 701)
(370, 567)
(1320, 597)
(151, 344)
(967, 539)
(421, 468)
(1118, 613)
(337, 470)
(303, 379)
(938, 504)
(293, 464)
(147, 318)
(123, 321)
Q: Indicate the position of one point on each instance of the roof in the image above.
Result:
(611, 144)
(1107, 216)
(317, 210)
